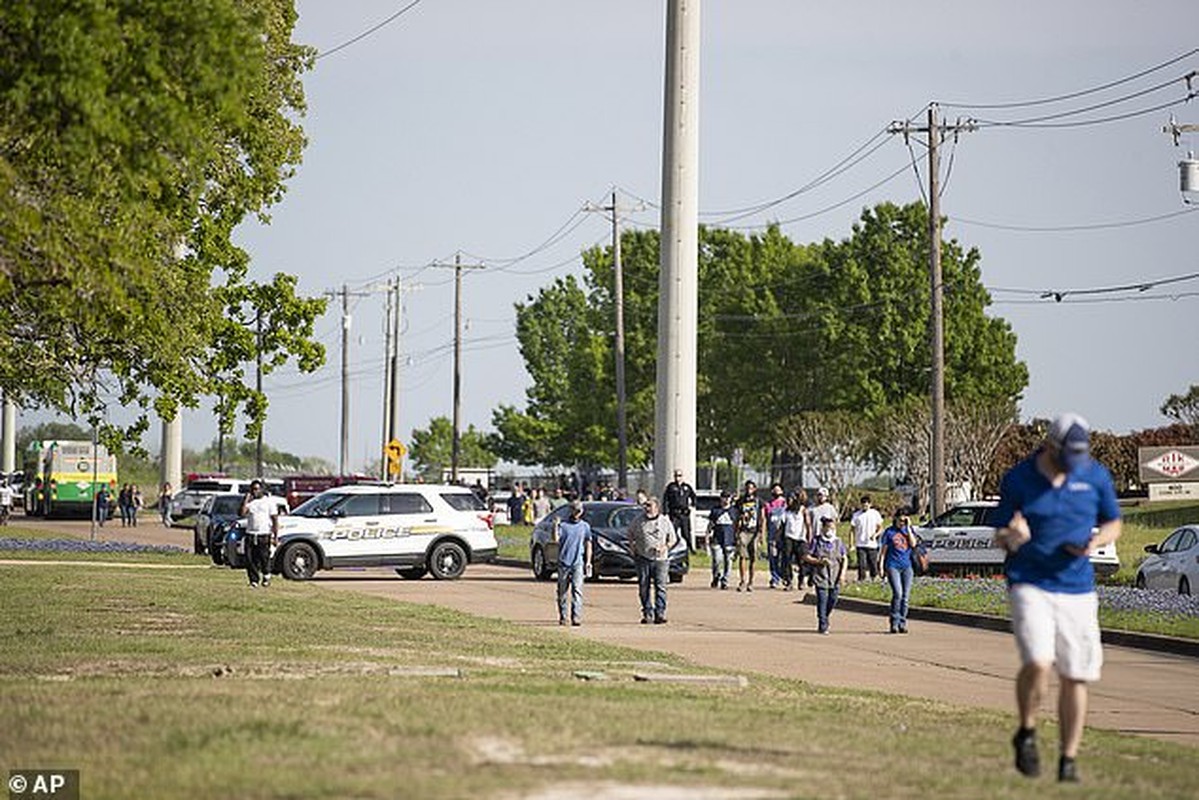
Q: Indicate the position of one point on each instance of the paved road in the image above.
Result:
(772, 632)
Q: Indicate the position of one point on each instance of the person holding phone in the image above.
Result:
(262, 531)
(895, 554)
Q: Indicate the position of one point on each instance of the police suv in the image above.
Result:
(416, 528)
(962, 540)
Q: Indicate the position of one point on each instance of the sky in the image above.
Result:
(482, 128)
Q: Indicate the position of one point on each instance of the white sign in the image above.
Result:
(1173, 491)
(1172, 463)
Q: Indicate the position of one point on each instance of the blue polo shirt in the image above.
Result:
(572, 539)
(1057, 517)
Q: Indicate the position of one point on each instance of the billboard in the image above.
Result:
(1168, 464)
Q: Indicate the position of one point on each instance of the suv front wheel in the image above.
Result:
(447, 561)
(299, 562)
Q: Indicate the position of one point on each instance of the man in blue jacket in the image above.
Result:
(1050, 504)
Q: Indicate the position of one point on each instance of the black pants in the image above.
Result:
(258, 557)
(791, 555)
(682, 524)
(867, 561)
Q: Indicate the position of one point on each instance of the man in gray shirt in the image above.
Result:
(651, 539)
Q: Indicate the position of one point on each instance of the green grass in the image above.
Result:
(184, 684)
(995, 603)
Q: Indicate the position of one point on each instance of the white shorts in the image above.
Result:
(1054, 627)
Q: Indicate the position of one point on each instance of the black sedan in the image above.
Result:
(610, 554)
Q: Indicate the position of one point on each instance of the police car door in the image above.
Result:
(355, 538)
(411, 524)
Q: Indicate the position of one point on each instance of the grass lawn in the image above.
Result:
(183, 684)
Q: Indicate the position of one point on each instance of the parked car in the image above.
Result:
(227, 527)
(186, 503)
(962, 539)
(1173, 564)
(417, 528)
(705, 501)
(610, 555)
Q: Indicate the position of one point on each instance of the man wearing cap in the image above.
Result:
(573, 538)
(1049, 506)
(678, 499)
(823, 508)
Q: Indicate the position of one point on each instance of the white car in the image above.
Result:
(1173, 564)
(962, 539)
(705, 501)
(186, 503)
(416, 528)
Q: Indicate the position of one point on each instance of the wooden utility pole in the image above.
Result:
(258, 387)
(389, 334)
(455, 450)
(935, 132)
(343, 461)
(622, 434)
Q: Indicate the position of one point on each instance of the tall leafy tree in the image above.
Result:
(432, 448)
(135, 135)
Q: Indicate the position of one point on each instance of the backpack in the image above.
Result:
(920, 557)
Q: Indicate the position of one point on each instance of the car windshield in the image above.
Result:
(227, 505)
(318, 506)
(463, 501)
(621, 518)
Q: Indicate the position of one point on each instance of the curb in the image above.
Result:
(1171, 645)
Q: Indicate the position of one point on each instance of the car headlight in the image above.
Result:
(608, 545)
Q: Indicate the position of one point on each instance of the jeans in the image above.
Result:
(722, 559)
(900, 579)
(258, 557)
(774, 544)
(826, 601)
(570, 587)
(867, 561)
(655, 572)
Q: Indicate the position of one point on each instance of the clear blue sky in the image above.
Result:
(484, 126)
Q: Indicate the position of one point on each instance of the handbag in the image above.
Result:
(919, 556)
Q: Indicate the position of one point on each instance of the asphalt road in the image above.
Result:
(773, 632)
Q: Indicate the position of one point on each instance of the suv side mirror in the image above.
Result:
(1150, 548)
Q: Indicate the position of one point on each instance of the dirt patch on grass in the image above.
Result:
(640, 791)
(259, 671)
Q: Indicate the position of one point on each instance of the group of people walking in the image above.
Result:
(128, 502)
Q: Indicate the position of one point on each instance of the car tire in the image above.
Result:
(298, 562)
(1140, 582)
(447, 561)
(541, 570)
(412, 573)
(1184, 585)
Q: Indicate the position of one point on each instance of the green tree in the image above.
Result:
(784, 329)
(135, 135)
(1183, 408)
(432, 448)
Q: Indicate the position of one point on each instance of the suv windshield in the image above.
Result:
(318, 506)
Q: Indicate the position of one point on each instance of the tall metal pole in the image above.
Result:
(678, 300)
(937, 322)
(258, 388)
(622, 436)
(457, 443)
(344, 459)
(9, 445)
(394, 409)
(388, 334)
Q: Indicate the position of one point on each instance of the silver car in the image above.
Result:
(1173, 564)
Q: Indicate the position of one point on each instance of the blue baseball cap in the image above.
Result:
(1070, 433)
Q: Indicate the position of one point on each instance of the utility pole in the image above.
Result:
(344, 456)
(258, 388)
(394, 406)
(622, 437)
(935, 132)
(456, 447)
(389, 333)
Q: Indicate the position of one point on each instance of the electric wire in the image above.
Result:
(368, 31)
(1073, 95)
(1095, 226)
(984, 123)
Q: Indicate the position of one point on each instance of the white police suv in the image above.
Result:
(416, 528)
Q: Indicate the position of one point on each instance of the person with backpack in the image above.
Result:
(896, 546)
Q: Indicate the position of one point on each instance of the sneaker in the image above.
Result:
(266, 581)
(1067, 770)
(715, 582)
(1028, 760)
(749, 587)
(894, 629)
(724, 584)
(576, 622)
(659, 620)
(741, 587)
(253, 584)
(903, 628)
(561, 620)
(774, 584)
(646, 620)
(786, 587)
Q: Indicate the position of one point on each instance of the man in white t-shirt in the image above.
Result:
(867, 524)
(5, 503)
(262, 530)
(823, 508)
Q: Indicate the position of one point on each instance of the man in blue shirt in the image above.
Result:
(574, 559)
(1049, 506)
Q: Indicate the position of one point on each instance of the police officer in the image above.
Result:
(679, 499)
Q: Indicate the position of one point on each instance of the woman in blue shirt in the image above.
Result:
(897, 543)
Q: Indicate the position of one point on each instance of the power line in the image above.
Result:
(1097, 300)
(369, 30)
(1095, 226)
(1060, 294)
(985, 123)
(1073, 95)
